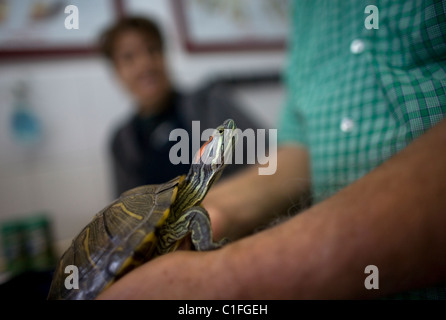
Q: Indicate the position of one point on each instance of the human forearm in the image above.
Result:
(248, 200)
(393, 218)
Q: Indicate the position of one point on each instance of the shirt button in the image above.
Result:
(347, 125)
(357, 46)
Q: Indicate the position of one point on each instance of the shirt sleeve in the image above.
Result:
(291, 127)
(291, 124)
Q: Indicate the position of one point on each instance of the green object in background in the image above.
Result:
(13, 248)
(38, 242)
(27, 244)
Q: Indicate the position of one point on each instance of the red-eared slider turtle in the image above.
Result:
(145, 222)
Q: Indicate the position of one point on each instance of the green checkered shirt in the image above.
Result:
(355, 96)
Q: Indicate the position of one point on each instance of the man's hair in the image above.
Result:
(144, 26)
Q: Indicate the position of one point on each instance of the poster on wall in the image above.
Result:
(39, 27)
(232, 25)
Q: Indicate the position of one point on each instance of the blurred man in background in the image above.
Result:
(140, 147)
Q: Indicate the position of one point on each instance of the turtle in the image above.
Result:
(143, 223)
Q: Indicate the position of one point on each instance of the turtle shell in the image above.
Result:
(119, 238)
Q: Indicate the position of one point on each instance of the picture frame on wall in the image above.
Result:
(231, 25)
(37, 27)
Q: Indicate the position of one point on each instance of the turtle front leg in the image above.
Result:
(201, 230)
(194, 221)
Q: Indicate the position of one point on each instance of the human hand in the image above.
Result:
(178, 275)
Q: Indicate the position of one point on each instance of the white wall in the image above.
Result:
(79, 103)
(187, 69)
(66, 173)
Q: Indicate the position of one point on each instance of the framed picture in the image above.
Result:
(37, 27)
(231, 25)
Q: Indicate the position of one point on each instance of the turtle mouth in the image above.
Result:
(227, 125)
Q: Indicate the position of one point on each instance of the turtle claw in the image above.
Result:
(223, 242)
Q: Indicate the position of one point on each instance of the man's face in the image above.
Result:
(141, 67)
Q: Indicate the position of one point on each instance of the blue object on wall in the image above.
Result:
(25, 125)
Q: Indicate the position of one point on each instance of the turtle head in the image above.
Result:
(215, 153)
(208, 164)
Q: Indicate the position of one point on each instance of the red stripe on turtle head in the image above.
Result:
(201, 151)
